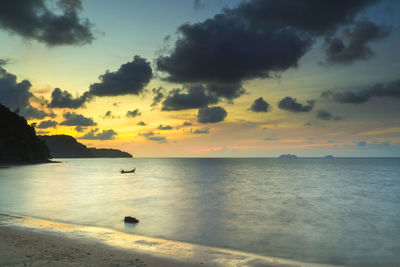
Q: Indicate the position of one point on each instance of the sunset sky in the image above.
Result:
(207, 78)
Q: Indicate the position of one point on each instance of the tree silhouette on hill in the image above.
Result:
(18, 140)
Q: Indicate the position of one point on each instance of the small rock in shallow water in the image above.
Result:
(129, 219)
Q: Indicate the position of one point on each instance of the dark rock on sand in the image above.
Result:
(129, 219)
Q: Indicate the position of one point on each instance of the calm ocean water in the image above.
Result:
(340, 210)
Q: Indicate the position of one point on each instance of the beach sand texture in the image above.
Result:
(34, 242)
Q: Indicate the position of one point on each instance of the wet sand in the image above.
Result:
(34, 242)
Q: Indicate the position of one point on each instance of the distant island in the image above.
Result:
(329, 156)
(18, 140)
(287, 156)
(65, 146)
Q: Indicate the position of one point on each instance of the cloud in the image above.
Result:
(205, 130)
(228, 91)
(326, 16)
(95, 135)
(314, 124)
(197, 4)
(153, 137)
(63, 99)
(190, 96)
(260, 105)
(47, 124)
(225, 49)
(391, 89)
(3, 61)
(187, 123)
(80, 129)
(270, 139)
(74, 119)
(30, 112)
(158, 96)
(16, 95)
(362, 143)
(141, 123)
(159, 139)
(252, 40)
(134, 113)
(147, 134)
(33, 19)
(211, 115)
(13, 94)
(42, 132)
(109, 115)
(326, 116)
(354, 43)
(357, 97)
(130, 78)
(291, 104)
(166, 127)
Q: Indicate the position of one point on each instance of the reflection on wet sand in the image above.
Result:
(180, 252)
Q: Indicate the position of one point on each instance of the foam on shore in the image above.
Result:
(170, 250)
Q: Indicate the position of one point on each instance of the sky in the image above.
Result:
(207, 78)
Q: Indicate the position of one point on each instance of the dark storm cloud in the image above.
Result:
(211, 115)
(158, 96)
(141, 123)
(260, 105)
(30, 112)
(162, 127)
(228, 91)
(291, 104)
(192, 96)
(13, 94)
(253, 40)
(201, 95)
(33, 19)
(133, 113)
(310, 16)
(95, 135)
(63, 99)
(354, 43)
(391, 89)
(16, 95)
(47, 124)
(326, 116)
(74, 119)
(225, 49)
(205, 130)
(130, 78)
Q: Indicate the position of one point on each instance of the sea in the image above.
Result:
(321, 210)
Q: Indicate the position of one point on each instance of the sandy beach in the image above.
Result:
(34, 242)
(29, 246)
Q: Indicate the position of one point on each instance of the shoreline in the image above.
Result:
(5, 164)
(25, 240)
